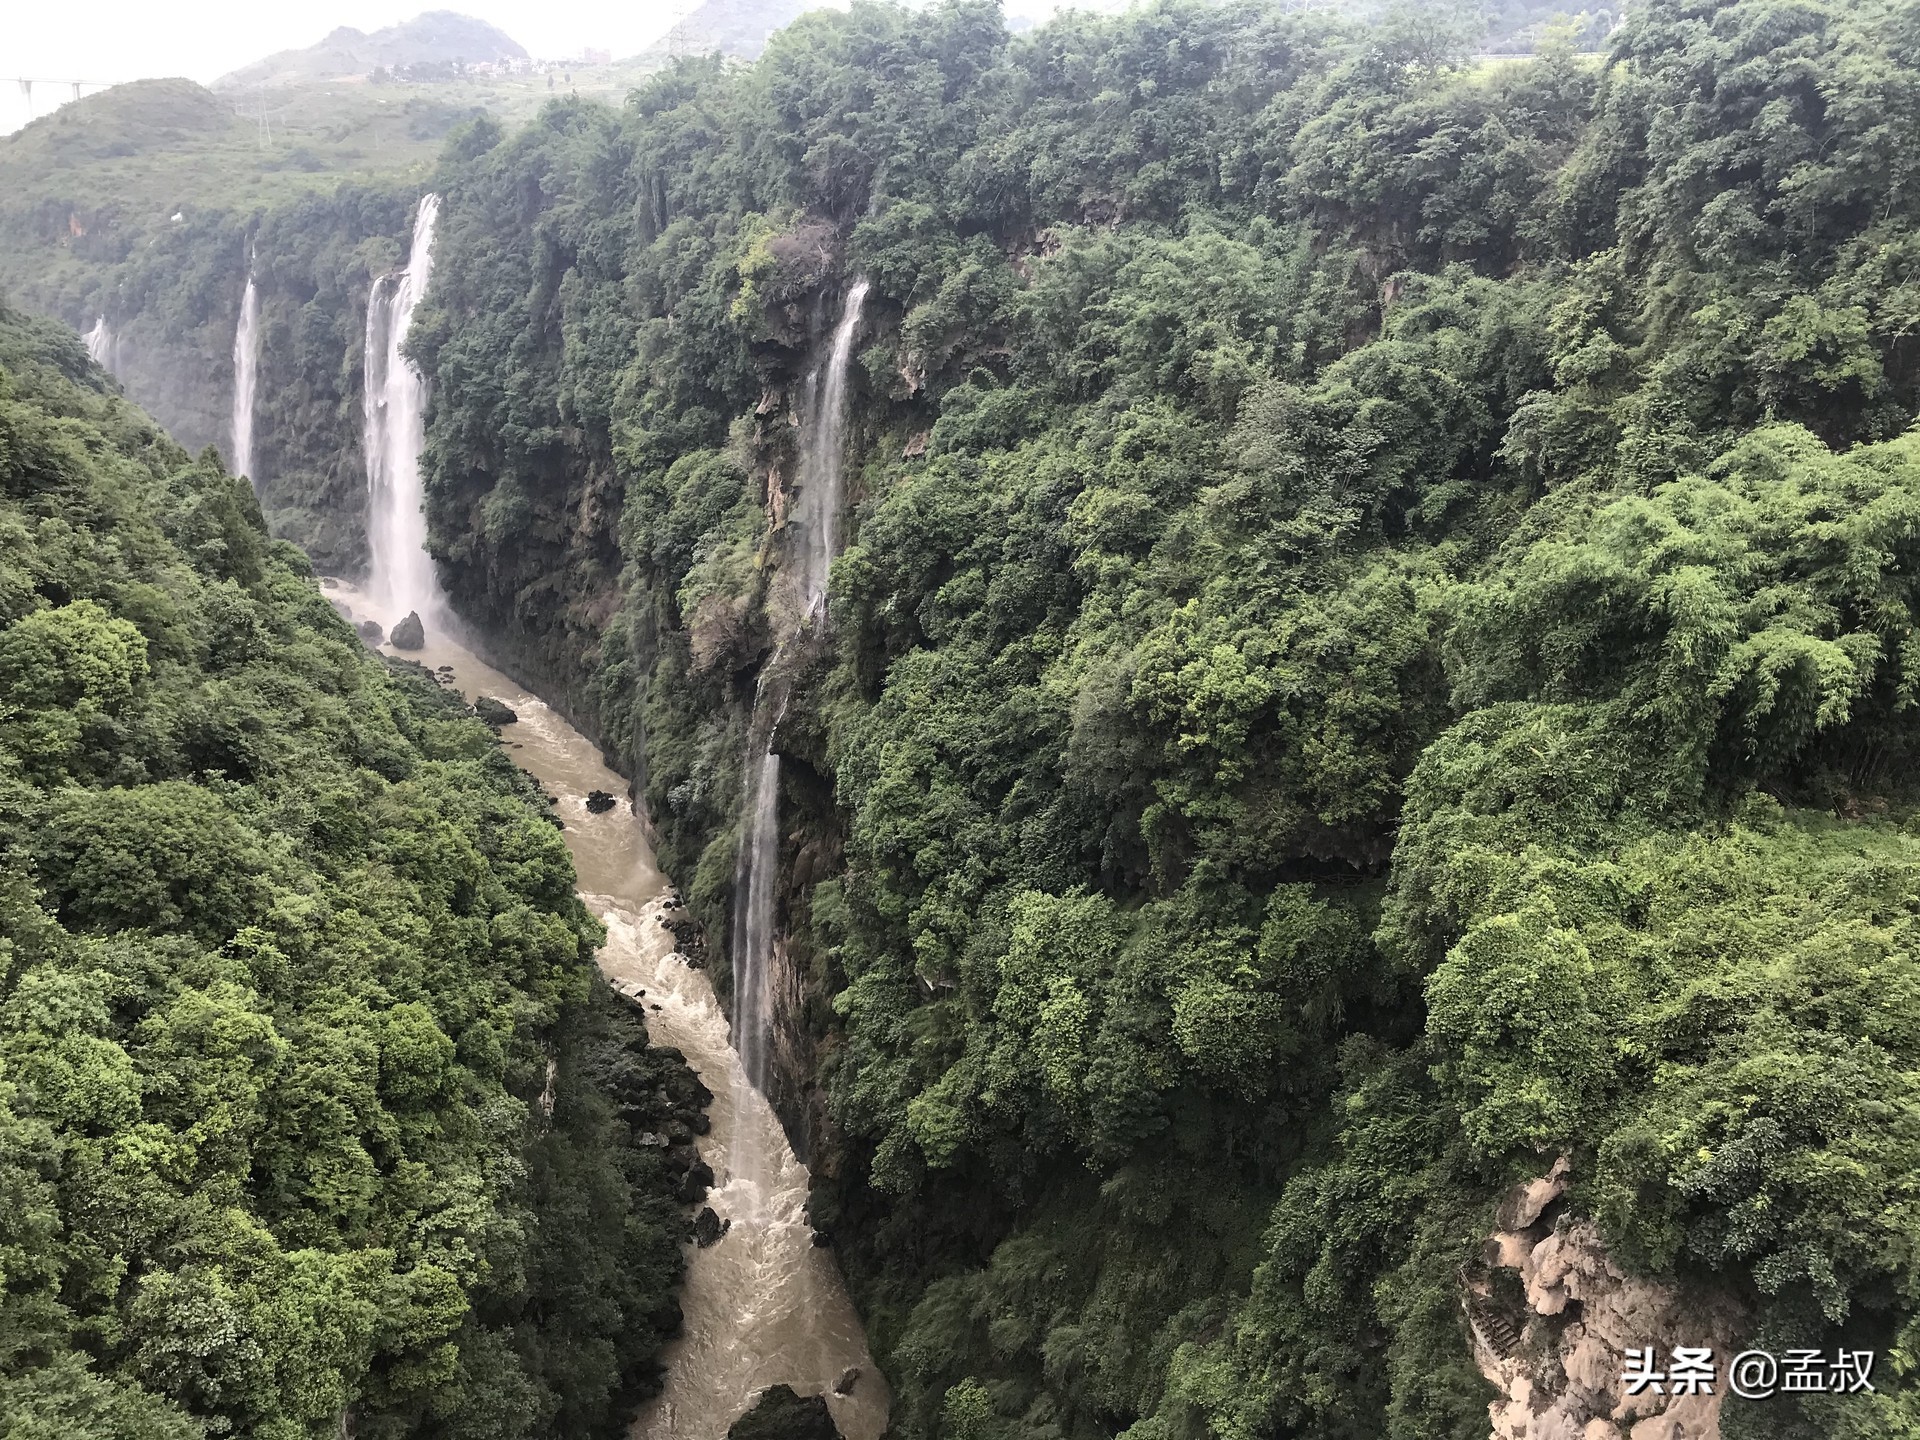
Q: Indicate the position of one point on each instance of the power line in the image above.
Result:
(27, 82)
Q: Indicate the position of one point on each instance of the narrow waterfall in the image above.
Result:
(100, 343)
(401, 576)
(246, 373)
(753, 909)
(821, 456)
(816, 518)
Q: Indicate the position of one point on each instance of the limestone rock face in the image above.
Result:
(1552, 1317)
(409, 634)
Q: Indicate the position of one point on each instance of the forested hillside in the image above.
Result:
(315, 1118)
(1375, 653)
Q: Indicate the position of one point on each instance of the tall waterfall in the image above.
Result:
(401, 576)
(816, 517)
(246, 374)
(100, 343)
(821, 454)
(753, 906)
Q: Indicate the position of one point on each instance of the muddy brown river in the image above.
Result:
(763, 1306)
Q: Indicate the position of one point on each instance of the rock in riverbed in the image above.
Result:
(410, 633)
(494, 713)
(709, 1227)
(781, 1414)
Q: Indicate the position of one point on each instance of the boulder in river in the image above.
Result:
(409, 634)
(494, 713)
(709, 1227)
(371, 632)
(695, 1183)
(599, 802)
(781, 1414)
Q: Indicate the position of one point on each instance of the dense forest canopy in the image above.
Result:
(1374, 662)
(1375, 652)
(289, 951)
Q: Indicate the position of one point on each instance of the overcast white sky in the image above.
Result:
(114, 40)
(109, 41)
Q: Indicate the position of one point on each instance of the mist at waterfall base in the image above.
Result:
(815, 519)
(400, 574)
(100, 344)
(246, 377)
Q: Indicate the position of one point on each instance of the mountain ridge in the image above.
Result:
(433, 37)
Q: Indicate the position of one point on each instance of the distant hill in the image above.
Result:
(131, 119)
(438, 37)
(733, 27)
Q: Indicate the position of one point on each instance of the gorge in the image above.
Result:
(1250, 678)
(763, 1304)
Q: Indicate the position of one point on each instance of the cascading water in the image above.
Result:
(246, 373)
(821, 456)
(753, 903)
(400, 574)
(100, 343)
(816, 517)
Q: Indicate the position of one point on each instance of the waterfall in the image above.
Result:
(401, 576)
(818, 507)
(816, 518)
(753, 911)
(246, 372)
(100, 343)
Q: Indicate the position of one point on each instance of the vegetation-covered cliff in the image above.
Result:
(315, 1118)
(1374, 653)
(1373, 664)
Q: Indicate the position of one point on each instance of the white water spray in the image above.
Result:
(816, 515)
(246, 374)
(753, 909)
(822, 455)
(100, 343)
(401, 576)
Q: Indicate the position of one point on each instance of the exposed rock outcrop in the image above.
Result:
(1556, 1342)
